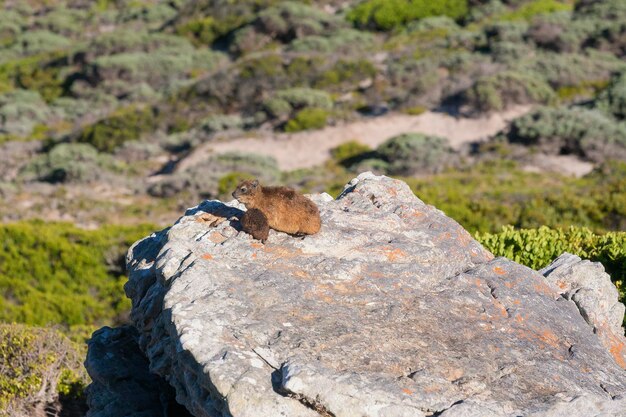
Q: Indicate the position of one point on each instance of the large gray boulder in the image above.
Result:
(391, 310)
(590, 288)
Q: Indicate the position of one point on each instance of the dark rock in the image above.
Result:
(122, 384)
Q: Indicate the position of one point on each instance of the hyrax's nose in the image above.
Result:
(234, 196)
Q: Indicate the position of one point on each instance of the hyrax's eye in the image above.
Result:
(243, 189)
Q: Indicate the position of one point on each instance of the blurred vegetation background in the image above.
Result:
(106, 105)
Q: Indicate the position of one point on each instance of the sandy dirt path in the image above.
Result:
(312, 148)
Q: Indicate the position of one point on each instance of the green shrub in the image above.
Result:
(528, 10)
(68, 162)
(536, 248)
(390, 14)
(349, 72)
(307, 119)
(219, 122)
(39, 73)
(343, 40)
(349, 150)
(57, 273)
(613, 100)
(37, 365)
(161, 69)
(285, 102)
(21, 111)
(202, 180)
(583, 132)
(40, 41)
(501, 91)
(283, 23)
(413, 153)
(123, 125)
(489, 195)
(126, 40)
(63, 21)
(565, 69)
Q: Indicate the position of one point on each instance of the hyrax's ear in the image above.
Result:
(255, 183)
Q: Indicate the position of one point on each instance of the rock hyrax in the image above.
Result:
(286, 210)
(255, 223)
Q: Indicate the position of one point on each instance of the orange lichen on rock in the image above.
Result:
(499, 271)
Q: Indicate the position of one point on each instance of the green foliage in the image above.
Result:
(307, 119)
(528, 10)
(346, 72)
(57, 273)
(21, 111)
(63, 21)
(68, 162)
(349, 150)
(285, 102)
(390, 14)
(413, 153)
(565, 69)
(500, 91)
(489, 195)
(613, 100)
(347, 40)
(587, 133)
(220, 122)
(40, 41)
(202, 180)
(124, 125)
(202, 31)
(34, 73)
(283, 23)
(127, 40)
(536, 248)
(37, 364)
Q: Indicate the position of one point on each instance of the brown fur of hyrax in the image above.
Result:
(286, 210)
(255, 223)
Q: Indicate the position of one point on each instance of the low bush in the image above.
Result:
(219, 122)
(282, 24)
(55, 273)
(21, 111)
(413, 153)
(37, 365)
(583, 132)
(68, 162)
(565, 69)
(613, 99)
(123, 125)
(203, 180)
(528, 10)
(40, 41)
(285, 103)
(343, 40)
(307, 119)
(489, 195)
(391, 14)
(349, 150)
(39, 73)
(501, 91)
(346, 73)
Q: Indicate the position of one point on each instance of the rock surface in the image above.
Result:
(591, 289)
(122, 384)
(391, 310)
